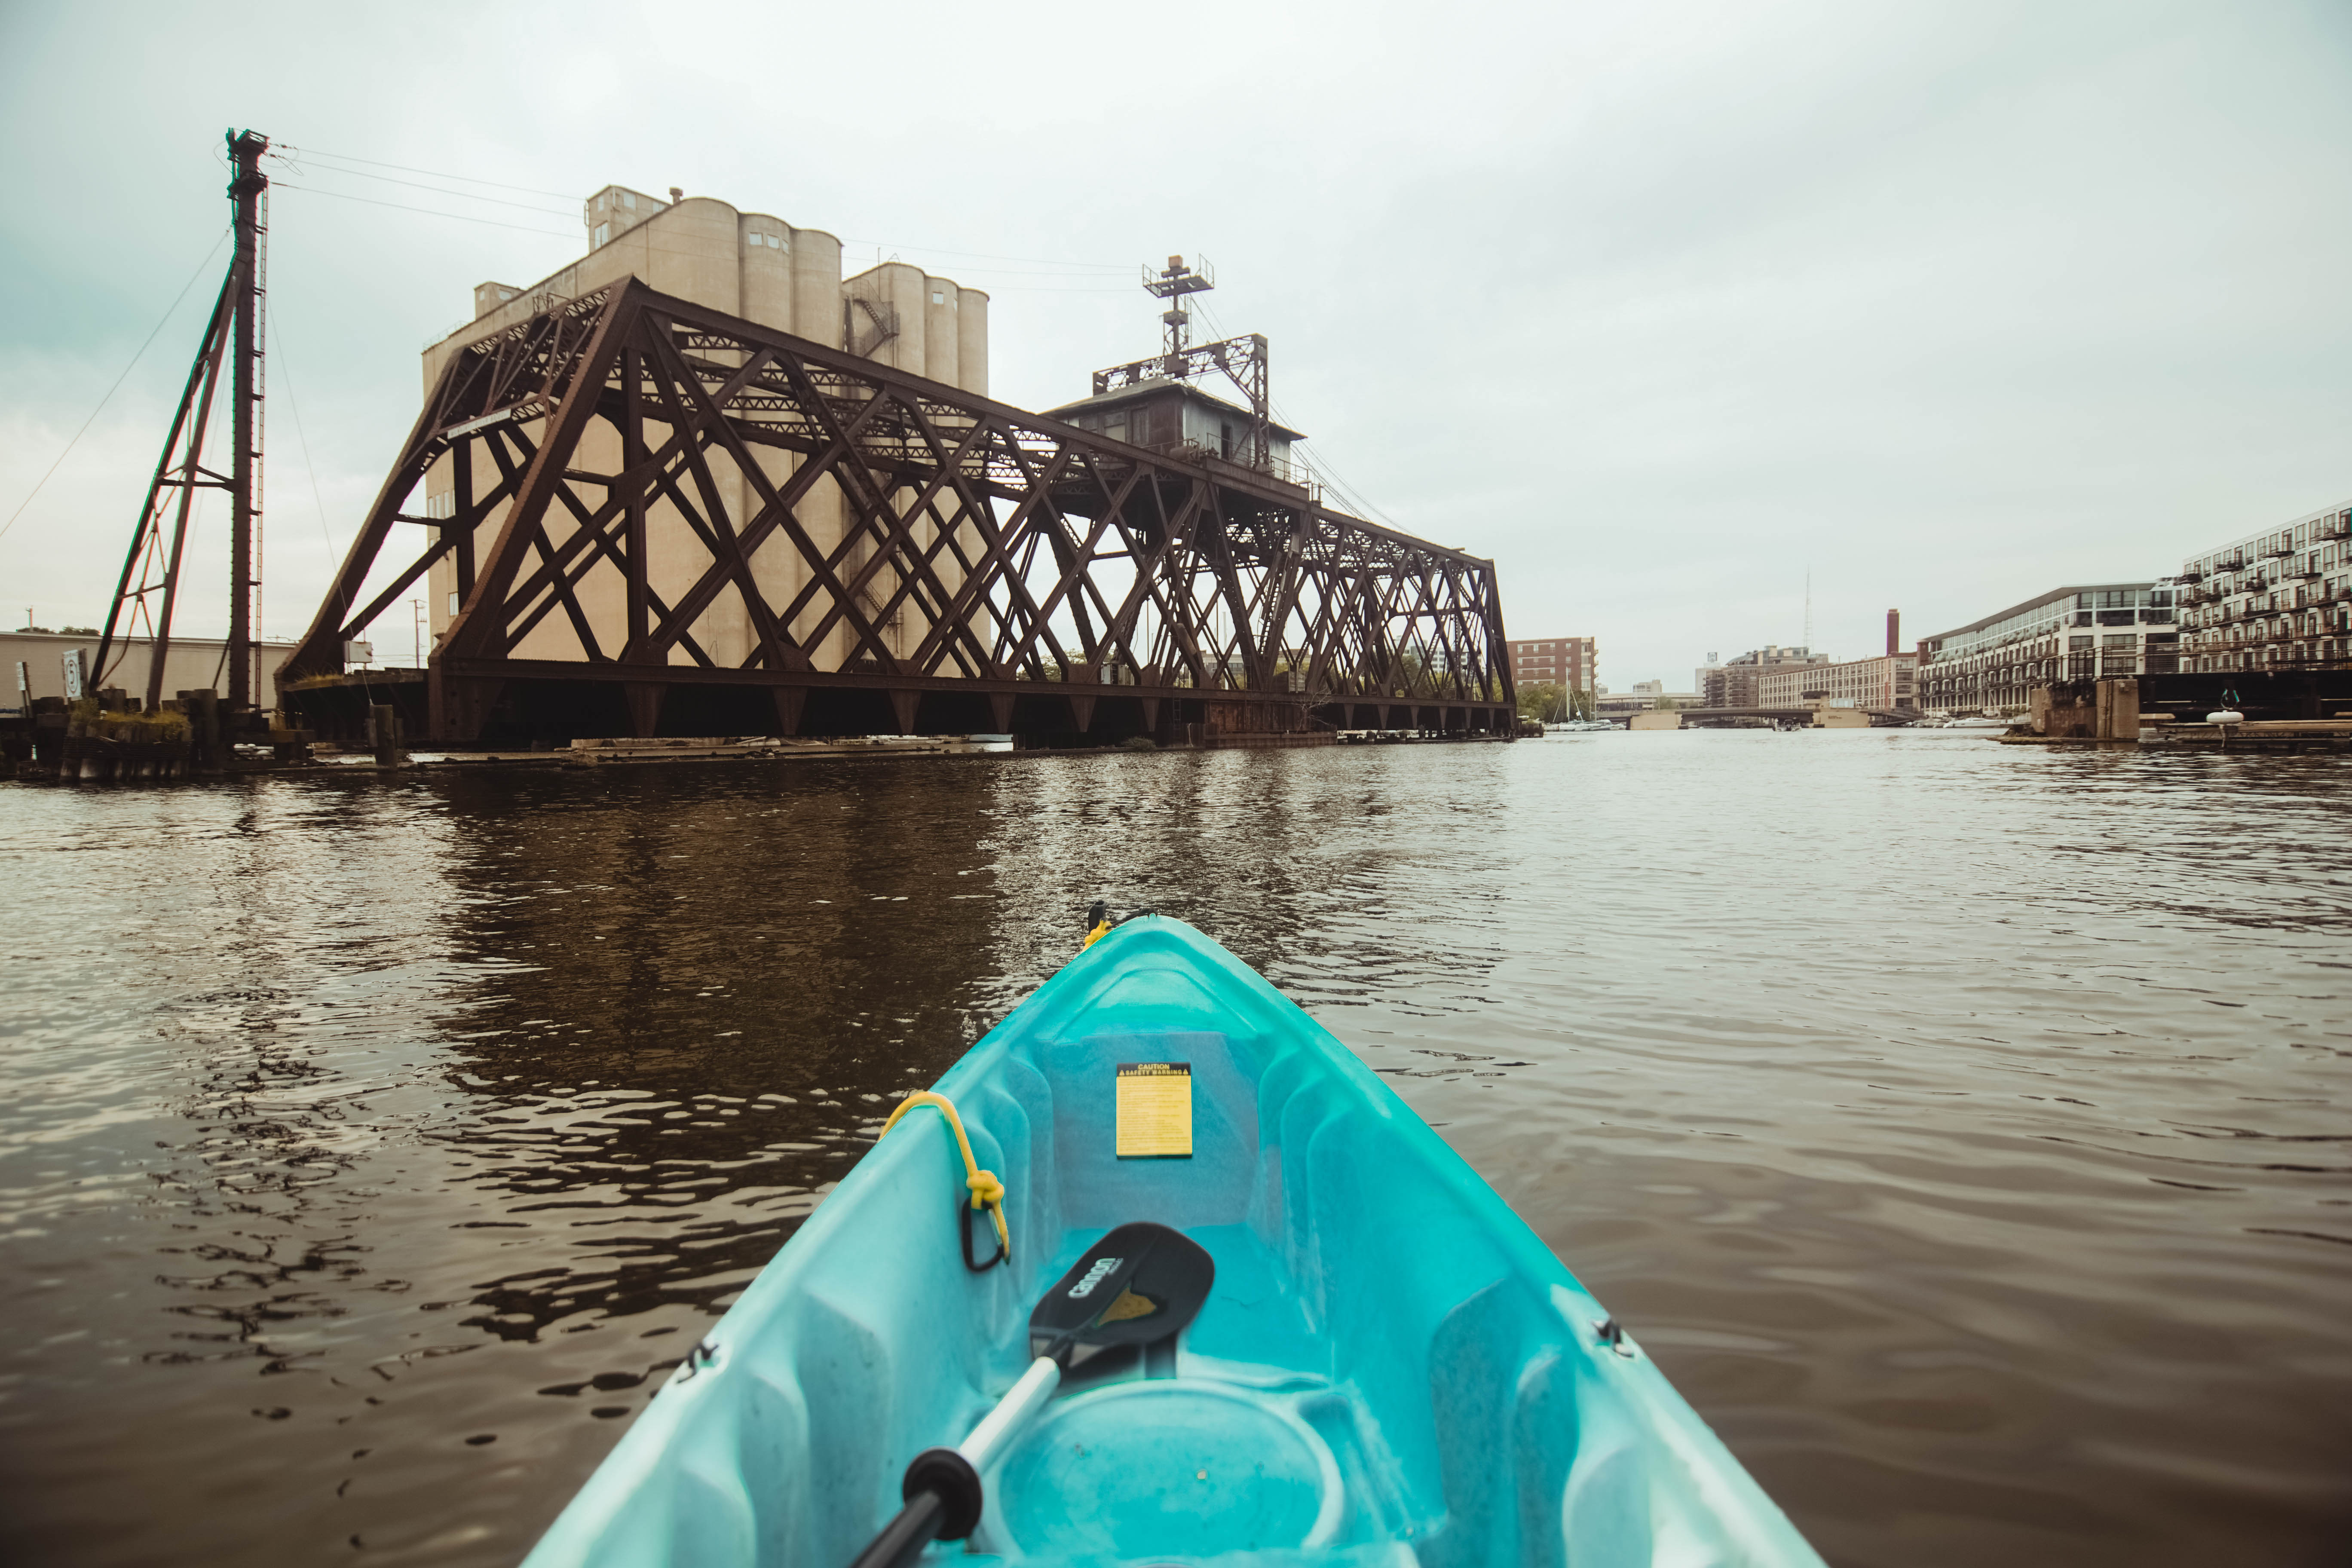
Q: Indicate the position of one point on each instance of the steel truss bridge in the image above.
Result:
(660, 519)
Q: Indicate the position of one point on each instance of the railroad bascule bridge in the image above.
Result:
(664, 520)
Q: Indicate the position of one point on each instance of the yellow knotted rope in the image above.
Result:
(986, 1190)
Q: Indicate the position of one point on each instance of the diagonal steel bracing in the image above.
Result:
(628, 488)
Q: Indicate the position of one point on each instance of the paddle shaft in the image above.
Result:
(1141, 1284)
(903, 1539)
(917, 1523)
(1013, 1412)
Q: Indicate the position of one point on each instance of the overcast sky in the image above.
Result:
(1659, 305)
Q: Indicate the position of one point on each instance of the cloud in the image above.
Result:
(1660, 305)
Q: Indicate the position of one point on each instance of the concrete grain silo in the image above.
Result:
(972, 340)
(767, 287)
(758, 266)
(816, 286)
(941, 338)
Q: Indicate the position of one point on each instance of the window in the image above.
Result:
(629, 200)
(938, 296)
(2125, 640)
(453, 601)
(603, 232)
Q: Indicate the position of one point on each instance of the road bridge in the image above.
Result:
(866, 552)
(1690, 716)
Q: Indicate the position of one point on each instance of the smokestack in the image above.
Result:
(1894, 632)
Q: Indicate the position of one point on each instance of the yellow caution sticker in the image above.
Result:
(1155, 1110)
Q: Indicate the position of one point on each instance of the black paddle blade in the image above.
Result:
(1141, 1284)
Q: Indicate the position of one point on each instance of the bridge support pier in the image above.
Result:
(645, 700)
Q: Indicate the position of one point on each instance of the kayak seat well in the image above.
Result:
(1389, 1367)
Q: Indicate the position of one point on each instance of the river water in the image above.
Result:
(1963, 1128)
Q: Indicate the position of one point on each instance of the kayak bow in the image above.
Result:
(1390, 1367)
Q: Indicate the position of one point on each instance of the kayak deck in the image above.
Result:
(1390, 1368)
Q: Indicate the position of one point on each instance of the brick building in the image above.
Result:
(1558, 661)
(1739, 683)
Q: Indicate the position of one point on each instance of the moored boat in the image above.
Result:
(1389, 1367)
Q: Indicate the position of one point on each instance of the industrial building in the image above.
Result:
(2078, 633)
(764, 270)
(2281, 599)
(1886, 683)
(1567, 662)
(1883, 682)
(35, 664)
(1738, 683)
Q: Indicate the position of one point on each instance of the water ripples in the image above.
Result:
(1962, 1127)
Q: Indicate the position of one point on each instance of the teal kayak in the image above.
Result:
(1389, 1367)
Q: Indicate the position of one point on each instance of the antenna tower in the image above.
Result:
(1173, 283)
(148, 591)
(1242, 360)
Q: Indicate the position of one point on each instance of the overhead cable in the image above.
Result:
(119, 380)
(404, 168)
(402, 206)
(438, 190)
(991, 256)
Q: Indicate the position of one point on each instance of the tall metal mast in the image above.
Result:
(148, 589)
(1173, 283)
(249, 198)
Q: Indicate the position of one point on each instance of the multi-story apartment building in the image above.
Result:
(1558, 661)
(2282, 599)
(2068, 634)
(1886, 681)
(1737, 683)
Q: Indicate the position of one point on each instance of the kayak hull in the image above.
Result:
(1390, 1367)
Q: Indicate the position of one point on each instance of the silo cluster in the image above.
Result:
(758, 266)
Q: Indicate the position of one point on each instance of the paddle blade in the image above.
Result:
(1138, 1285)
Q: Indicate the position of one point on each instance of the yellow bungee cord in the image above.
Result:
(987, 1191)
